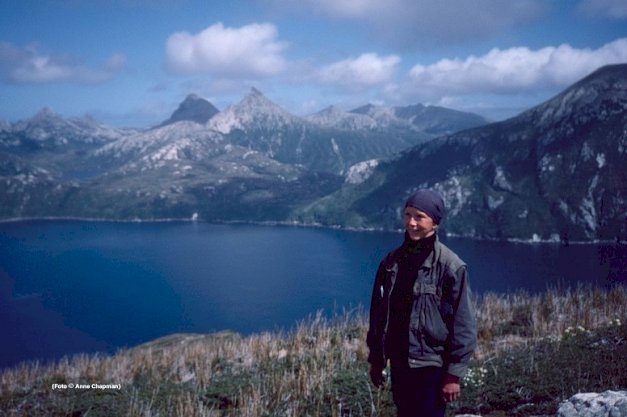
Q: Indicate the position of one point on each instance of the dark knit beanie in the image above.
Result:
(428, 201)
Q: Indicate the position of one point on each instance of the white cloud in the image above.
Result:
(252, 50)
(28, 65)
(514, 70)
(615, 9)
(415, 22)
(367, 70)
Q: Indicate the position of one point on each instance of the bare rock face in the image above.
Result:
(605, 404)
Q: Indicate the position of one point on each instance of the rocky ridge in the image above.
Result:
(555, 172)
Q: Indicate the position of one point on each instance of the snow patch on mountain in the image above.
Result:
(361, 171)
(588, 208)
(336, 149)
(500, 181)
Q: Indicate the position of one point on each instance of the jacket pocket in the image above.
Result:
(435, 329)
(428, 332)
(427, 307)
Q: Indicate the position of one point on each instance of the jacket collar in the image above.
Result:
(431, 259)
(435, 254)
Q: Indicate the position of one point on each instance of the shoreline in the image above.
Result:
(285, 223)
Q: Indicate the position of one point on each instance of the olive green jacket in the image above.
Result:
(443, 329)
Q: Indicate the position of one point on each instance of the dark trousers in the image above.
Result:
(417, 392)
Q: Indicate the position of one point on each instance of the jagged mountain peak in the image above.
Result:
(194, 109)
(44, 123)
(48, 130)
(255, 92)
(47, 118)
(256, 101)
(45, 114)
(254, 111)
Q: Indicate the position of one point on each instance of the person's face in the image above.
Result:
(418, 224)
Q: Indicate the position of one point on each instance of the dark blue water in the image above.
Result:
(68, 287)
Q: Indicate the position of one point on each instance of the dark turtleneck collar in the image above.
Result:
(421, 245)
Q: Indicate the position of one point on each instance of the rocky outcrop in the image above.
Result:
(605, 404)
(589, 404)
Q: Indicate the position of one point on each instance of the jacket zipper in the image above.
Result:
(394, 271)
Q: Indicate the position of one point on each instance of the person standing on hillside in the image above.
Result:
(421, 317)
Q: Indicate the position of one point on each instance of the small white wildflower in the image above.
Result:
(475, 377)
(575, 331)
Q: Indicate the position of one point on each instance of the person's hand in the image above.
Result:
(451, 388)
(376, 376)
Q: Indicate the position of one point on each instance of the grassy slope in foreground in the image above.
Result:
(534, 351)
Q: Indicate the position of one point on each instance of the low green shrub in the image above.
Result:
(352, 394)
(534, 379)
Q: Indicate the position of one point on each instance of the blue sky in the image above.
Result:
(131, 62)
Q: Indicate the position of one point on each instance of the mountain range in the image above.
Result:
(553, 172)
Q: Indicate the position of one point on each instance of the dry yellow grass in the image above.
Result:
(308, 371)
